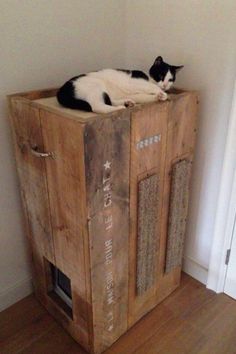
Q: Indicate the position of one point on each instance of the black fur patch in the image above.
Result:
(124, 71)
(159, 70)
(66, 97)
(107, 99)
(137, 74)
(77, 77)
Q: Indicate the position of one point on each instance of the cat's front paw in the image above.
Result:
(162, 96)
(129, 103)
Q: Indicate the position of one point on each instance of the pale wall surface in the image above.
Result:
(201, 35)
(43, 43)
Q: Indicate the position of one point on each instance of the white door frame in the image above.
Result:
(225, 210)
(229, 284)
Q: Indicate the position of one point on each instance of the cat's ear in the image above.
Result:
(158, 61)
(177, 68)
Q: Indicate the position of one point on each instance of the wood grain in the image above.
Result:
(26, 128)
(85, 206)
(35, 94)
(32, 172)
(107, 180)
(148, 144)
(181, 137)
(67, 200)
(192, 320)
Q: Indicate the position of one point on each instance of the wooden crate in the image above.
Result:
(106, 204)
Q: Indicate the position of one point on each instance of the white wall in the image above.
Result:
(43, 43)
(201, 35)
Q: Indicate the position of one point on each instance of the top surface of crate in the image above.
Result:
(52, 104)
(46, 99)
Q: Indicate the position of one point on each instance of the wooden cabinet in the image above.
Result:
(105, 199)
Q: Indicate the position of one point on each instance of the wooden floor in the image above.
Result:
(191, 320)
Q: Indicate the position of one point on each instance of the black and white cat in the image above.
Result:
(107, 90)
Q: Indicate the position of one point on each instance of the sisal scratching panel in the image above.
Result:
(147, 233)
(179, 195)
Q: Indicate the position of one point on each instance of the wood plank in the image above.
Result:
(26, 130)
(142, 331)
(65, 177)
(192, 320)
(13, 319)
(178, 334)
(181, 136)
(107, 178)
(65, 139)
(51, 104)
(55, 341)
(27, 134)
(34, 95)
(206, 315)
(189, 298)
(175, 336)
(182, 124)
(148, 144)
(27, 335)
(218, 328)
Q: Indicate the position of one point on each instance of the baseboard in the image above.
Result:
(196, 270)
(24, 287)
(15, 293)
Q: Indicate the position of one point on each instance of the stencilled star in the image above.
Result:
(107, 165)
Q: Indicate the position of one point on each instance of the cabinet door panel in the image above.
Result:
(33, 185)
(65, 176)
(32, 172)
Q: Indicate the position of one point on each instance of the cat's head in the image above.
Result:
(164, 74)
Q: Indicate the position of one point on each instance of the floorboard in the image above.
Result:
(193, 320)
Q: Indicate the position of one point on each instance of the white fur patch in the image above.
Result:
(166, 84)
(117, 84)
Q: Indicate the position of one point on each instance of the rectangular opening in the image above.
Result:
(59, 288)
(61, 285)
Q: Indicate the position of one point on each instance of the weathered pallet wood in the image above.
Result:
(148, 146)
(107, 188)
(98, 203)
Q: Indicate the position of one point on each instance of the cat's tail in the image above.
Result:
(66, 97)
